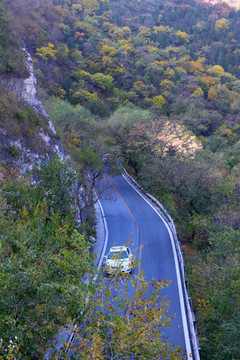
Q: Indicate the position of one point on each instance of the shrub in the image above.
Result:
(13, 150)
(20, 115)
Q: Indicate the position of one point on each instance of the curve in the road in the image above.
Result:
(181, 296)
(159, 259)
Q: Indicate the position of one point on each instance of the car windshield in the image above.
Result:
(118, 255)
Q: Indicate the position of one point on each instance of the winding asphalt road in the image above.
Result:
(129, 215)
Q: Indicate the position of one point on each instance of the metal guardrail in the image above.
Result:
(187, 299)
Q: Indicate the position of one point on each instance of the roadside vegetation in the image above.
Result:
(130, 324)
(46, 270)
(158, 85)
(44, 258)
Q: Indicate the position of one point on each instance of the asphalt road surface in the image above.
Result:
(129, 215)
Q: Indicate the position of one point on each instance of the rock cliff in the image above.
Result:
(27, 134)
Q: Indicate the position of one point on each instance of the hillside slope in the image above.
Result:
(27, 135)
(158, 84)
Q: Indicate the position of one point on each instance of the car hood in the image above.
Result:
(118, 262)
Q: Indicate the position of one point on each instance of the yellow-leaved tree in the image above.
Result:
(123, 320)
(46, 52)
(222, 25)
(158, 101)
(182, 36)
(216, 70)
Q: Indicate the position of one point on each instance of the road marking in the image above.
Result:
(106, 238)
(180, 290)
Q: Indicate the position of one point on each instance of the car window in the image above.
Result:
(118, 255)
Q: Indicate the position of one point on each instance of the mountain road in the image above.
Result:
(129, 215)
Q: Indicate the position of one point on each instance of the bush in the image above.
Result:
(20, 115)
(13, 150)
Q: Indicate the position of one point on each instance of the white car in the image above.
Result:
(106, 158)
(118, 260)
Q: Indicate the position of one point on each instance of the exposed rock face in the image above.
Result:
(29, 91)
(23, 151)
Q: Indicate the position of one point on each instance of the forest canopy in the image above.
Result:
(157, 84)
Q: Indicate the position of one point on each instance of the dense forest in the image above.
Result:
(156, 83)
(234, 3)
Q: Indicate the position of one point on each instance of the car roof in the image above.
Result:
(118, 248)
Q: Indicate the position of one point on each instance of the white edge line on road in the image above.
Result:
(180, 290)
(101, 258)
(106, 237)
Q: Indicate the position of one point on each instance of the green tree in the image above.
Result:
(217, 276)
(220, 96)
(105, 82)
(56, 182)
(120, 124)
(182, 178)
(89, 173)
(42, 267)
(11, 58)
